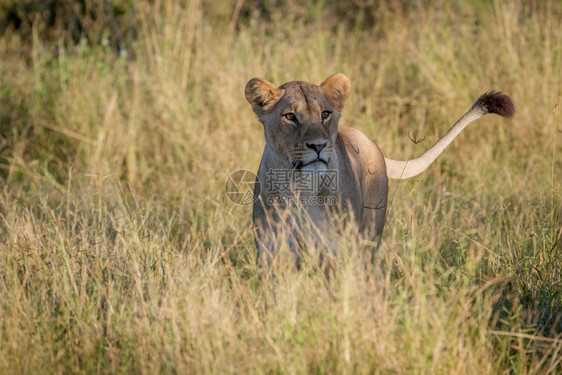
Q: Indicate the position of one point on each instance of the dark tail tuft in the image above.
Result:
(496, 102)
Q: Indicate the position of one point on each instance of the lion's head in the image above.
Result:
(300, 119)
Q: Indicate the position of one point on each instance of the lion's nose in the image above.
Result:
(317, 146)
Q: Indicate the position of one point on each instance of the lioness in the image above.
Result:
(339, 168)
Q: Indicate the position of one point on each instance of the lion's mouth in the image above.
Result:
(297, 164)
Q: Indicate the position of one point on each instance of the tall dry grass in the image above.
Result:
(121, 253)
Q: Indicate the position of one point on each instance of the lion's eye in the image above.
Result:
(326, 114)
(290, 116)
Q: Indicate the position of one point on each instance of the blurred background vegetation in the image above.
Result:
(121, 120)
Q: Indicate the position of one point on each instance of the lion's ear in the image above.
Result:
(336, 89)
(262, 95)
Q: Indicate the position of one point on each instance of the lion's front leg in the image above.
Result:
(297, 227)
(275, 228)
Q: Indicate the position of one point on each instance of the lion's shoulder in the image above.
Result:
(361, 149)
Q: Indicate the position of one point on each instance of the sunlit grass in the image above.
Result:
(120, 251)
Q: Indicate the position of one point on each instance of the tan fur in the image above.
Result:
(293, 144)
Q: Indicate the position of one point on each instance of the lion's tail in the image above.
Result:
(490, 102)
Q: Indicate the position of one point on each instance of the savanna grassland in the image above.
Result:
(120, 252)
